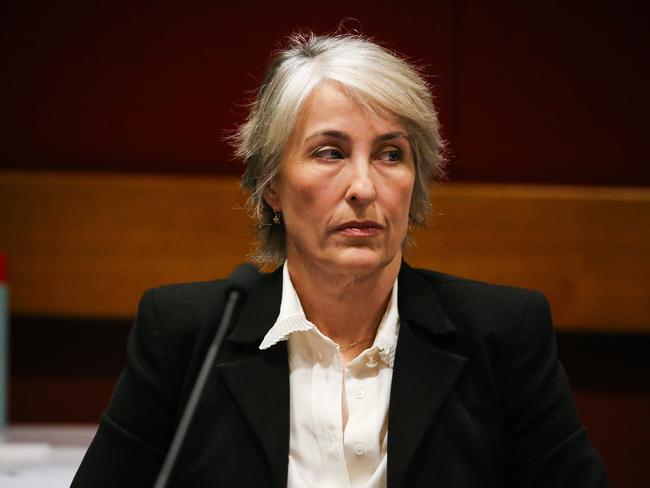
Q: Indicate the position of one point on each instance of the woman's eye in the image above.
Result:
(392, 155)
(329, 153)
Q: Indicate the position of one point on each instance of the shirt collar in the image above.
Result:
(292, 319)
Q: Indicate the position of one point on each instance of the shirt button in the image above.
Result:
(359, 449)
(360, 393)
(371, 361)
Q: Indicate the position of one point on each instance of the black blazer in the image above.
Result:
(478, 396)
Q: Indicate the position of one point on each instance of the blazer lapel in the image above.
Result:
(260, 388)
(423, 375)
(259, 380)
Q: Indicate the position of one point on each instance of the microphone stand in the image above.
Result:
(234, 297)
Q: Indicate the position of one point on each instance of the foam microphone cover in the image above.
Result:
(243, 279)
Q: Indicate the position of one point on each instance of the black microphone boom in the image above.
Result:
(242, 280)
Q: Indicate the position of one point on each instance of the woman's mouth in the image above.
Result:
(365, 228)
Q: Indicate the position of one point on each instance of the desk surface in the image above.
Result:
(42, 455)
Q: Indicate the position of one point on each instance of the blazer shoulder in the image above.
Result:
(492, 311)
(455, 288)
(179, 315)
(190, 309)
(199, 295)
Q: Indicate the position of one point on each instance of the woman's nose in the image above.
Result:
(361, 189)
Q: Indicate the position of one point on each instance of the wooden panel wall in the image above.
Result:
(82, 248)
(87, 245)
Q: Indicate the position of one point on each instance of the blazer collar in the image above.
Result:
(424, 373)
(259, 380)
(417, 303)
(260, 311)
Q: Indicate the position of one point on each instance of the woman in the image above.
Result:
(346, 367)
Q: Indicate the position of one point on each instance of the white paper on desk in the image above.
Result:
(56, 471)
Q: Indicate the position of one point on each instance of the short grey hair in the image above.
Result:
(378, 79)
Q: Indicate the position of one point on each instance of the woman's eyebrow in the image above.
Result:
(389, 136)
(337, 134)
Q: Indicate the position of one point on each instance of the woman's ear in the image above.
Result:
(272, 197)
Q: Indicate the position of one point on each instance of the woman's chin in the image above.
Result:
(344, 259)
(361, 259)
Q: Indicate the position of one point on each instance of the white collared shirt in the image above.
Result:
(321, 453)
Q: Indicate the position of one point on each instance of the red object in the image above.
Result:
(3, 268)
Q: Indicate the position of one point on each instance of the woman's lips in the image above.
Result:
(359, 229)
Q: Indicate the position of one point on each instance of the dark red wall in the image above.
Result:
(528, 91)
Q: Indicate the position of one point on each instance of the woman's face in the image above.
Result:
(344, 186)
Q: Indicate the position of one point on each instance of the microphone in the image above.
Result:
(242, 280)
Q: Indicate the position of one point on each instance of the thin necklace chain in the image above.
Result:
(352, 344)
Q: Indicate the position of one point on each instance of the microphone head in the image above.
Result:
(243, 279)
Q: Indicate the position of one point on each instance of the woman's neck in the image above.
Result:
(346, 307)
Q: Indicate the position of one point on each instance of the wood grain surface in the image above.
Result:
(89, 244)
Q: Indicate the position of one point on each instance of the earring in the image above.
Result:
(276, 217)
